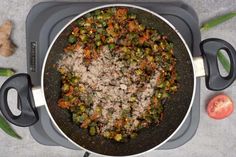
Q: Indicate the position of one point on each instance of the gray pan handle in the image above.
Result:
(22, 84)
(209, 49)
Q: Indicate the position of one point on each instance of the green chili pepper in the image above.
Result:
(223, 61)
(7, 128)
(218, 20)
(6, 72)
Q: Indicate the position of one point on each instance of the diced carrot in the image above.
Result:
(119, 123)
(89, 20)
(146, 35)
(63, 104)
(95, 54)
(75, 31)
(121, 12)
(77, 47)
(85, 123)
(154, 99)
(162, 116)
(144, 38)
(132, 26)
(103, 38)
(87, 54)
(70, 91)
(143, 64)
(95, 115)
(69, 48)
(110, 26)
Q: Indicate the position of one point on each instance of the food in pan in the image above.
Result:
(116, 74)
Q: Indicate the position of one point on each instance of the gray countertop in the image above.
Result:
(213, 138)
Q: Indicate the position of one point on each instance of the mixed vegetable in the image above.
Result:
(150, 55)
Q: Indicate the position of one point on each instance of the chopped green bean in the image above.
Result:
(118, 137)
(92, 130)
(72, 39)
(111, 46)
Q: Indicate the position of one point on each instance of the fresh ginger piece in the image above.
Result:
(6, 45)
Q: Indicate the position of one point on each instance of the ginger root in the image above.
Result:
(6, 45)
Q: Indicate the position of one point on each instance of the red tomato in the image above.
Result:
(220, 107)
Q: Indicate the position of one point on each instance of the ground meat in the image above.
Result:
(111, 89)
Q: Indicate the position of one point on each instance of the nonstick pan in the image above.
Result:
(176, 108)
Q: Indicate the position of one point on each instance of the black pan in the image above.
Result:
(176, 108)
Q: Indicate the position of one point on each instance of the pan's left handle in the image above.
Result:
(214, 80)
(22, 84)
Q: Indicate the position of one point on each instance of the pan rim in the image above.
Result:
(130, 6)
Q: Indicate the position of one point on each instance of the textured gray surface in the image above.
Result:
(213, 138)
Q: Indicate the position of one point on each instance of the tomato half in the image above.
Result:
(220, 107)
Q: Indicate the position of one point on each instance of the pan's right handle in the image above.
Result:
(214, 80)
(22, 84)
